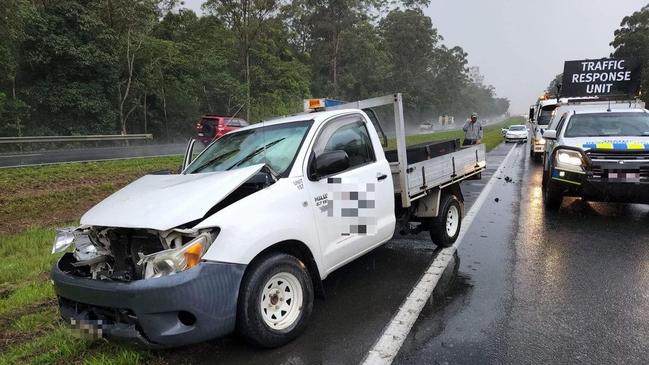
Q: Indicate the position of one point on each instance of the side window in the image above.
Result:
(561, 122)
(233, 123)
(243, 123)
(349, 135)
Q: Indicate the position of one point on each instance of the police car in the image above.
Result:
(597, 151)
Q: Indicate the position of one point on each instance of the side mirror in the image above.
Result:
(550, 134)
(189, 152)
(329, 163)
(531, 114)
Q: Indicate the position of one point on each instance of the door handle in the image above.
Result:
(381, 176)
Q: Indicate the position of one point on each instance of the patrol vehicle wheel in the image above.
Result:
(275, 301)
(552, 195)
(445, 228)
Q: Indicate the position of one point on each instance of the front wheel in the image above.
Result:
(275, 301)
(552, 194)
(445, 228)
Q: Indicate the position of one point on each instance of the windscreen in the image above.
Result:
(546, 115)
(517, 128)
(608, 124)
(274, 145)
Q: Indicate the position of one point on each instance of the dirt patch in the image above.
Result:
(6, 291)
(52, 208)
(6, 320)
(38, 189)
(10, 337)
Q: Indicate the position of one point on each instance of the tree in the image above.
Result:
(451, 81)
(132, 23)
(246, 18)
(14, 15)
(553, 87)
(66, 70)
(410, 42)
(323, 30)
(632, 40)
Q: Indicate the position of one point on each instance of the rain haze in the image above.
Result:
(520, 46)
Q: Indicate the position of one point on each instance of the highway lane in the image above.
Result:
(534, 287)
(89, 154)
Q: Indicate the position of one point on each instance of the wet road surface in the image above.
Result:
(535, 287)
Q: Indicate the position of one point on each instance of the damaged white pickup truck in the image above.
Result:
(242, 237)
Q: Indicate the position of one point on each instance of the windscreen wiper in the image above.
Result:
(216, 158)
(255, 153)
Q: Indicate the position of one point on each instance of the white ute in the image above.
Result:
(242, 237)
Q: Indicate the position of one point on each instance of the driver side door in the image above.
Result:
(354, 208)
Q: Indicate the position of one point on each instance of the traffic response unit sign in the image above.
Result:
(603, 77)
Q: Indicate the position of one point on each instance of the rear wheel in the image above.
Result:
(445, 228)
(275, 301)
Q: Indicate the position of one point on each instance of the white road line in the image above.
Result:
(387, 346)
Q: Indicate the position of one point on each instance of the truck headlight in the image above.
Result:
(173, 261)
(63, 239)
(569, 157)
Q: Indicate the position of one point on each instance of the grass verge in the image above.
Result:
(41, 196)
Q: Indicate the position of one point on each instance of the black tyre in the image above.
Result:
(445, 228)
(552, 194)
(275, 301)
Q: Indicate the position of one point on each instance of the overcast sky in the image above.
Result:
(520, 45)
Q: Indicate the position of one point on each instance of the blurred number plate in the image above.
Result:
(624, 176)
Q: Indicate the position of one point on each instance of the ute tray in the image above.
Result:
(425, 151)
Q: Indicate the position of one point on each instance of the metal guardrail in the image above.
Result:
(99, 137)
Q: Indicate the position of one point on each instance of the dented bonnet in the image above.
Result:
(163, 202)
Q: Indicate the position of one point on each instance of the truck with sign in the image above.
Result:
(597, 145)
(540, 115)
(169, 260)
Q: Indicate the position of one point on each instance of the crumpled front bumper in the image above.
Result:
(176, 310)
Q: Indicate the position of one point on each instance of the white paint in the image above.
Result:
(387, 346)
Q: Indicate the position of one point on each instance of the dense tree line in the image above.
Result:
(129, 66)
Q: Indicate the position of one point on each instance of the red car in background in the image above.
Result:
(211, 127)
